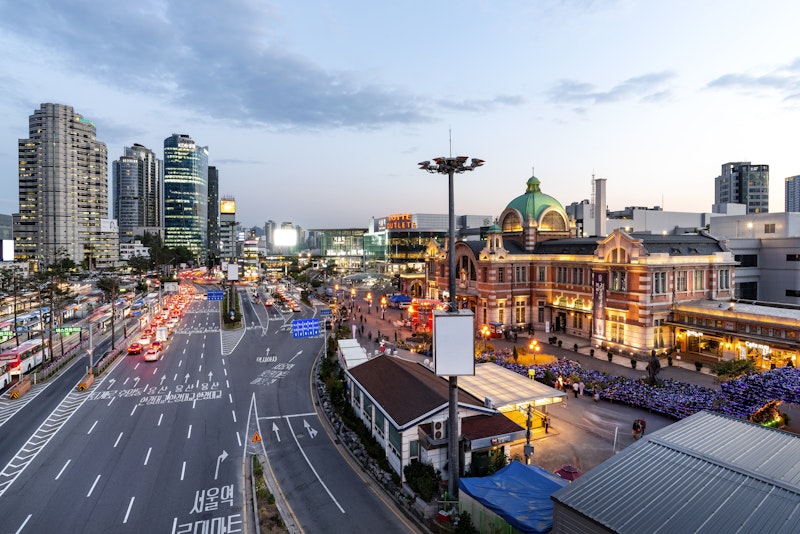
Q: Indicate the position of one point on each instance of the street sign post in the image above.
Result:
(215, 294)
(326, 311)
(68, 330)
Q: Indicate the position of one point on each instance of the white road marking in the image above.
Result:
(93, 485)
(200, 368)
(227, 384)
(112, 400)
(130, 505)
(230, 398)
(94, 425)
(118, 438)
(183, 470)
(62, 469)
(134, 408)
(160, 417)
(24, 523)
(238, 438)
(189, 434)
(147, 458)
(234, 415)
(180, 362)
(155, 370)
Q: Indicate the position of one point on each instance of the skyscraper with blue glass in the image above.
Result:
(186, 195)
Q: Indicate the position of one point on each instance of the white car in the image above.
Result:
(152, 355)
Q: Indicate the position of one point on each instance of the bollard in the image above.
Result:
(19, 389)
(86, 382)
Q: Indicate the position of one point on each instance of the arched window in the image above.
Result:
(553, 221)
(511, 223)
(618, 255)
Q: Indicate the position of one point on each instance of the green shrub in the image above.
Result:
(423, 479)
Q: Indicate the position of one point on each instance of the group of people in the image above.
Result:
(638, 428)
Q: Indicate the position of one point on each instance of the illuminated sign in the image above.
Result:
(765, 349)
(400, 221)
(692, 333)
(227, 206)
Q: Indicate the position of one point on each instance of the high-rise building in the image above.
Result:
(186, 195)
(227, 228)
(793, 193)
(743, 183)
(138, 200)
(213, 213)
(63, 192)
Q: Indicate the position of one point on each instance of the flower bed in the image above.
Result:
(737, 398)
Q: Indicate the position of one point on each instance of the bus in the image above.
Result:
(421, 313)
(22, 359)
(5, 375)
(33, 320)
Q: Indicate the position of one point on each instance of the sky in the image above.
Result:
(318, 112)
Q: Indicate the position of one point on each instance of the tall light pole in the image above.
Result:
(451, 166)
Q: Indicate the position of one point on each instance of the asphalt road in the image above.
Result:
(161, 446)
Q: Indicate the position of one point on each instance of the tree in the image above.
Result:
(140, 264)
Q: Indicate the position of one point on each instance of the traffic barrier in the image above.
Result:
(87, 381)
(20, 388)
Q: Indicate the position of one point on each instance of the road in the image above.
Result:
(161, 446)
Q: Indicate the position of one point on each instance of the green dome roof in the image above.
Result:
(494, 229)
(533, 202)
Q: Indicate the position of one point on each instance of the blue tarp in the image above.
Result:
(399, 298)
(518, 493)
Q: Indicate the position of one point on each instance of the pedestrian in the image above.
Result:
(546, 423)
(636, 430)
(395, 336)
(379, 335)
(369, 336)
(596, 393)
(581, 387)
(515, 336)
(575, 388)
(560, 383)
(642, 424)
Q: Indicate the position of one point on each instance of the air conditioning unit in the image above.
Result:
(440, 429)
(488, 402)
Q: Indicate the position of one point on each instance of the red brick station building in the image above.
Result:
(629, 292)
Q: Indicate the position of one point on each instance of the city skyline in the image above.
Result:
(319, 113)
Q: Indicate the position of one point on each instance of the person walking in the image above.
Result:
(636, 430)
(575, 388)
(581, 387)
(596, 393)
(546, 424)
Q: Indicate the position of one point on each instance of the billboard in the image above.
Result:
(454, 343)
(7, 250)
(227, 206)
(109, 226)
(233, 272)
(285, 237)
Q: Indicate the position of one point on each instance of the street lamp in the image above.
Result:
(369, 302)
(534, 347)
(451, 166)
(485, 336)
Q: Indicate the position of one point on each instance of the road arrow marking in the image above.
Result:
(210, 374)
(186, 378)
(163, 377)
(220, 458)
(275, 429)
(135, 381)
(110, 383)
(296, 355)
(311, 431)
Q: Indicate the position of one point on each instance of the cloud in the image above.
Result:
(483, 105)
(652, 87)
(225, 60)
(783, 80)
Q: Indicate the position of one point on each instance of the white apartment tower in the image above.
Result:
(63, 192)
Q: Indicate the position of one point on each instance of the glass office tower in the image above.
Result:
(186, 195)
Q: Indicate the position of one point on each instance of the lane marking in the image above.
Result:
(24, 523)
(112, 400)
(160, 417)
(291, 430)
(93, 485)
(62, 469)
(118, 438)
(180, 362)
(189, 434)
(310, 414)
(230, 398)
(94, 425)
(147, 458)
(183, 470)
(199, 369)
(130, 505)
(238, 438)
(234, 415)
(134, 408)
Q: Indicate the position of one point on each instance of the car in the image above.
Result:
(151, 355)
(144, 341)
(157, 345)
(295, 307)
(135, 348)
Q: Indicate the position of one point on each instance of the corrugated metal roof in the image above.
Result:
(706, 473)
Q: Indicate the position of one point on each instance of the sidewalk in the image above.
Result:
(681, 370)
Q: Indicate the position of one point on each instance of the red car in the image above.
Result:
(134, 348)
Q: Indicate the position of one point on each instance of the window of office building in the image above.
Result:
(659, 282)
(618, 281)
(724, 279)
(680, 281)
(519, 274)
(698, 280)
(540, 315)
(519, 312)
